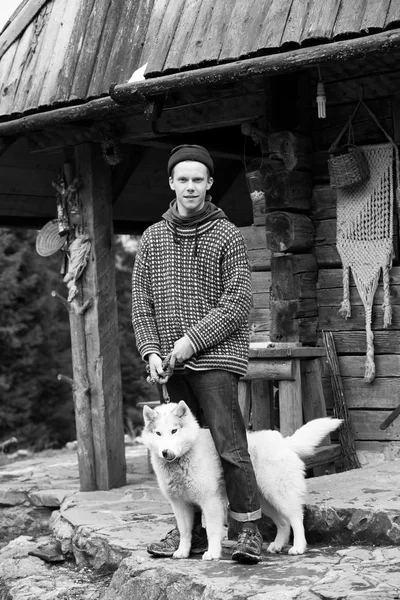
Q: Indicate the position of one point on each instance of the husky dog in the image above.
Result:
(189, 473)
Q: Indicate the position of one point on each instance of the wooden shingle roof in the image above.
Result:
(58, 52)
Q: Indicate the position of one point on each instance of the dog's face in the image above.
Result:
(170, 430)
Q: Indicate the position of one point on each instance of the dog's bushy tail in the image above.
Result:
(306, 439)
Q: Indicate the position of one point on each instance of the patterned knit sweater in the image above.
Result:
(194, 281)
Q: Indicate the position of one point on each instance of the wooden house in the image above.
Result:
(102, 90)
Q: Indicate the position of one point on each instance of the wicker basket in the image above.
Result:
(347, 166)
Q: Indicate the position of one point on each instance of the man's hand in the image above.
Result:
(156, 369)
(182, 351)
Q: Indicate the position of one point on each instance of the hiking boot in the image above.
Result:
(167, 546)
(248, 547)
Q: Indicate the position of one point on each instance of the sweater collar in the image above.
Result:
(209, 212)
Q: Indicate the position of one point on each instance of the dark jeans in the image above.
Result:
(213, 398)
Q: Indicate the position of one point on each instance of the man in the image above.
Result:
(191, 295)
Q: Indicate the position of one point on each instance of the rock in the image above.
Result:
(24, 576)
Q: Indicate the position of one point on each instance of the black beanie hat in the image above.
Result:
(190, 152)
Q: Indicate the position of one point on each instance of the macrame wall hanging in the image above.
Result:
(365, 235)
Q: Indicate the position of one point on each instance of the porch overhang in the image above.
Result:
(124, 96)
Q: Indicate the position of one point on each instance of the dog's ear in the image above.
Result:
(182, 409)
(148, 414)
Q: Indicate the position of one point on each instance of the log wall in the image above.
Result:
(369, 403)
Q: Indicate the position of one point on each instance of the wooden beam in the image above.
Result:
(283, 62)
(101, 321)
(270, 368)
(290, 402)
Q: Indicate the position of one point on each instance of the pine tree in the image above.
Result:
(35, 345)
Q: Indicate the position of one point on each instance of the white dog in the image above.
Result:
(189, 473)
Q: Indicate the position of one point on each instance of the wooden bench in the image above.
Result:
(296, 370)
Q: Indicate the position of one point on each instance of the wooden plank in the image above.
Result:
(259, 320)
(325, 243)
(383, 394)
(375, 14)
(261, 300)
(332, 278)
(115, 20)
(54, 25)
(262, 405)
(122, 64)
(11, 79)
(240, 13)
(73, 53)
(387, 365)
(92, 31)
(256, 240)
(29, 71)
(19, 24)
(290, 402)
(193, 118)
(261, 281)
(312, 390)
(164, 20)
(285, 351)
(294, 23)
(365, 425)
(266, 36)
(330, 319)
(286, 62)
(212, 20)
(349, 18)
(56, 62)
(270, 368)
(393, 16)
(101, 321)
(187, 35)
(259, 336)
(6, 67)
(354, 342)
(334, 296)
(320, 20)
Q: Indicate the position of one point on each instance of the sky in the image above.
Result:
(7, 8)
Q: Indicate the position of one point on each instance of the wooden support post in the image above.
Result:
(314, 406)
(101, 322)
(262, 405)
(290, 402)
(81, 396)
